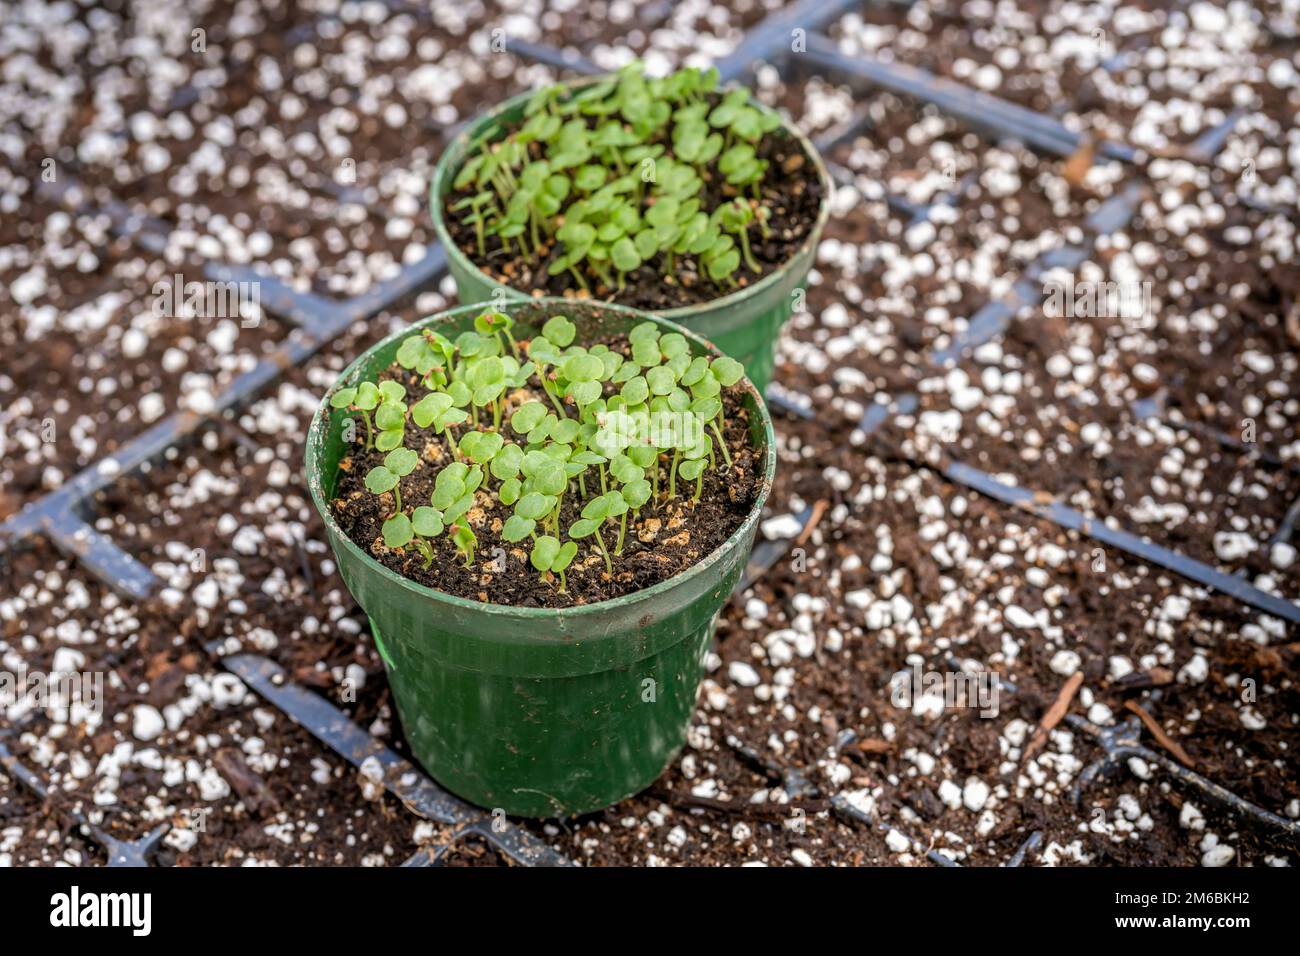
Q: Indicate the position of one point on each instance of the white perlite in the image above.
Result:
(742, 674)
(147, 723)
(1018, 617)
(1233, 545)
(1220, 855)
(1065, 663)
(975, 794)
(1195, 670)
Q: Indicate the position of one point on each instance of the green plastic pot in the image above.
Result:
(745, 324)
(538, 712)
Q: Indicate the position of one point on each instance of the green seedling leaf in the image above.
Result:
(635, 391)
(616, 505)
(509, 491)
(597, 508)
(584, 458)
(553, 480)
(724, 266)
(388, 440)
(506, 462)
(660, 380)
(343, 398)
(517, 527)
(565, 431)
(584, 393)
(645, 352)
(527, 417)
(401, 461)
(560, 330)
(458, 508)
(625, 256)
(727, 371)
(706, 387)
(469, 442)
(707, 408)
(380, 479)
(397, 531)
(589, 178)
(469, 344)
(430, 409)
(535, 462)
(455, 473)
(561, 561)
(650, 241)
(368, 396)
(673, 343)
(545, 550)
(534, 505)
(698, 368)
(390, 416)
(692, 469)
(538, 434)
(486, 371)
(486, 448)
(490, 323)
(427, 522)
(445, 496)
(460, 393)
(583, 368)
(625, 470)
(612, 362)
(678, 364)
(464, 539)
(643, 332)
(416, 353)
(637, 493)
(643, 456)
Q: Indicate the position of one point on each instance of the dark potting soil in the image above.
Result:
(665, 540)
(792, 190)
(149, 655)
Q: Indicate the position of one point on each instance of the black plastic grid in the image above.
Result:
(317, 320)
(1123, 741)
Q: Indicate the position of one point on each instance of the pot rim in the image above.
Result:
(454, 155)
(318, 429)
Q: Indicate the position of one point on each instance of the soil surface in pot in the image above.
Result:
(667, 538)
(792, 190)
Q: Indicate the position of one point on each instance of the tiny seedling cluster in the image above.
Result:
(617, 174)
(539, 423)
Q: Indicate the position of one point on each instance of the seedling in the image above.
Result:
(549, 555)
(387, 477)
(614, 178)
(596, 513)
(536, 424)
(363, 398)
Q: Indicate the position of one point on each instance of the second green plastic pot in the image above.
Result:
(745, 324)
(538, 712)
